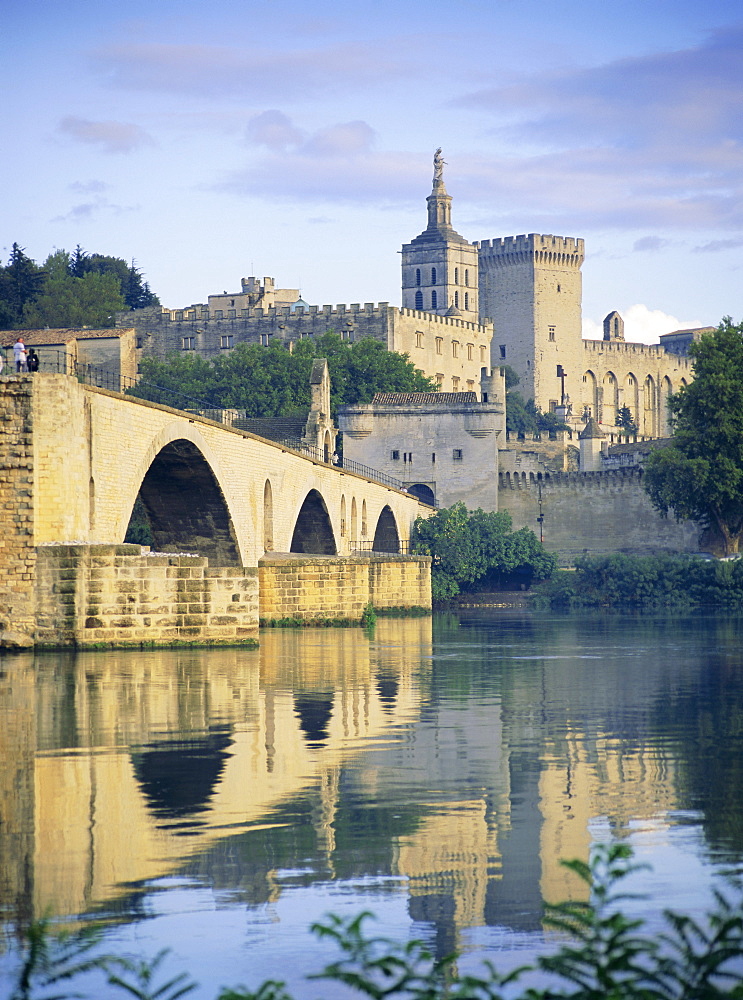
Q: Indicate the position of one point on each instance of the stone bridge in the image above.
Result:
(242, 526)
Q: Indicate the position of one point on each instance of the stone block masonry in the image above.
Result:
(17, 552)
(314, 587)
(122, 595)
(594, 512)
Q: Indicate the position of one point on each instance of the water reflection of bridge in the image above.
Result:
(120, 768)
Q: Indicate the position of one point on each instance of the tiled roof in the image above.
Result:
(423, 398)
(36, 338)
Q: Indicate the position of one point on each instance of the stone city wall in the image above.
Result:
(596, 512)
(122, 595)
(17, 552)
(331, 587)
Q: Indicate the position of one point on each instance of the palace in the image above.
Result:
(466, 306)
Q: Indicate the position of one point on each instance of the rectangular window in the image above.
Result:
(433, 458)
(503, 350)
(551, 330)
(140, 341)
(455, 383)
(395, 455)
(455, 348)
(457, 454)
(232, 313)
(188, 343)
(218, 314)
(419, 340)
(439, 345)
(470, 351)
(470, 385)
(225, 341)
(553, 405)
(439, 379)
(264, 339)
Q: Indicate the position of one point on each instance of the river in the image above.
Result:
(434, 771)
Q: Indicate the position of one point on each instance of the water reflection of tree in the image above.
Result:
(711, 765)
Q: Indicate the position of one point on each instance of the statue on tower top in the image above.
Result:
(438, 166)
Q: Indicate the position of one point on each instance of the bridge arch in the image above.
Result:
(185, 505)
(313, 531)
(386, 535)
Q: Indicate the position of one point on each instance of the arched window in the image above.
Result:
(417, 276)
(433, 275)
(466, 300)
(343, 517)
(466, 277)
(456, 299)
(419, 300)
(434, 300)
(354, 526)
(456, 275)
(363, 518)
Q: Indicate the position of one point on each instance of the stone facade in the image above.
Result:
(599, 512)
(449, 349)
(122, 595)
(309, 588)
(17, 552)
(442, 446)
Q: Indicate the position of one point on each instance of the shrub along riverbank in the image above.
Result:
(664, 581)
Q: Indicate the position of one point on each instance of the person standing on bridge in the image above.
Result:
(32, 360)
(19, 355)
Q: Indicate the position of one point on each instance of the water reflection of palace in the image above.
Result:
(120, 768)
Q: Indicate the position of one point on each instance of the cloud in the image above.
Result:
(641, 325)
(89, 187)
(274, 130)
(652, 140)
(89, 210)
(113, 137)
(718, 246)
(333, 164)
(651, 244)
(251, 73)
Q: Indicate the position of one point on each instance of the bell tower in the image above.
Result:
(439, 267)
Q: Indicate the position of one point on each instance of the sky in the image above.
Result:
(214, 141)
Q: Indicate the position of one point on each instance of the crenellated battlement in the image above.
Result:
(625, 348)
(585, 481)
(545, 248)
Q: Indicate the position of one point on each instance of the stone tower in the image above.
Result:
(439, 267)
(530, 287)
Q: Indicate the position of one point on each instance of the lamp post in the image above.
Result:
(561, 373)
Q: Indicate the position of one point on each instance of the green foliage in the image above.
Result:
(273, 382)
(606, 955)
(71, 290)
(369, 617)
(49, 960)
(67, 301)
(700, 476)
(625, 420)
(476, 550)
(139, 531)
(523, 416)
(663, 581)
(20, 283)
(136, 978)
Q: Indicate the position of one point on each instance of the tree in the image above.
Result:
(274, 382)
(477, 550)
(523, 416)
(67, 301)
(625, 421)
(700, 475)
(20, 284)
